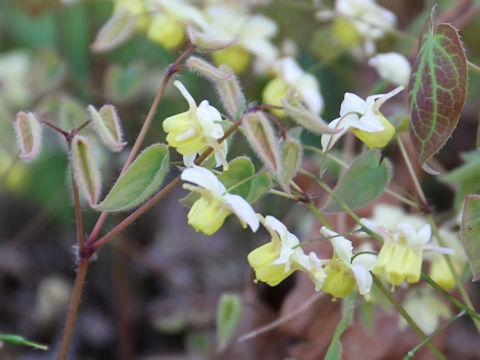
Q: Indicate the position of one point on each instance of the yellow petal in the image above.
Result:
(207, 216)
(376, 139)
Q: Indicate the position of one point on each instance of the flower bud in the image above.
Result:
(262, 138)
(116, 31)
(107, 125)
(295, 109)
(291, 153)
(29, 135)
(206, 42)
(206, 69)
(85, 169)
(231, 93)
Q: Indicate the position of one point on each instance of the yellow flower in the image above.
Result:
(278, 259)
(401, 255)
(193, 131)
(426, 308)
(209, 212)
(439, 269)
(166, 30)
(345, 269)
(253, 33)
(169, 20)
(364, 119)
(235, 56)
(137, 8)
(289, 74)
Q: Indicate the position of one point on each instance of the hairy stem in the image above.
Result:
(160, 195)
(173, 69)
(73, 308)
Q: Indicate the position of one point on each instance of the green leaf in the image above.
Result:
(228, 314)
(142, 178)
(334, 351)
(20, 340)
(470, 232)
(437, 89)
(362, 182)
(240, 179)
(466, 176)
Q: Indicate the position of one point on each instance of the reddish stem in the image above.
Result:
(73, 308)
(173, 69)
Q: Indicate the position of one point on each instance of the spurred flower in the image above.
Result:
(209, 212)
(275, 261)
(193, 131)
(401, 255)
(345, 269)
(364, 119)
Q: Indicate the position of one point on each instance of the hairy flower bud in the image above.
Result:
(29, 135)
(262, 138)
(85, 169)
(310, 121)
(107, 125)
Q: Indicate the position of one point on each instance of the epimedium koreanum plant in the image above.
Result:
(200, 132)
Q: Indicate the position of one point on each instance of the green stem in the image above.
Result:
(319, 216)
(343, 205)
(449, 297)
(461, 289)
(73, 308)
(407, 317)
(412, 172)
(434, 227)
(283, 194)
(412, 352)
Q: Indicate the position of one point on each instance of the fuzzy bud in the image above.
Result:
(205, 42)
(206, 69)
(29, 135)
(107, 125)
(262, 138)
(85, 169)
(295, 109)
(231, 93)
(291, 154)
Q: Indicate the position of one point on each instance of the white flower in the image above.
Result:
(289, 74)
(369, 19)
(253, 33)
(193, 131)
(392, 67)
(401, 255)
(209, 212)
(427, 309)
(364, 119)
(345, 267)
(276, 260)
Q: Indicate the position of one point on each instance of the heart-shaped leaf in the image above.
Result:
(437, 89)
(142, 178)
(364, 180)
